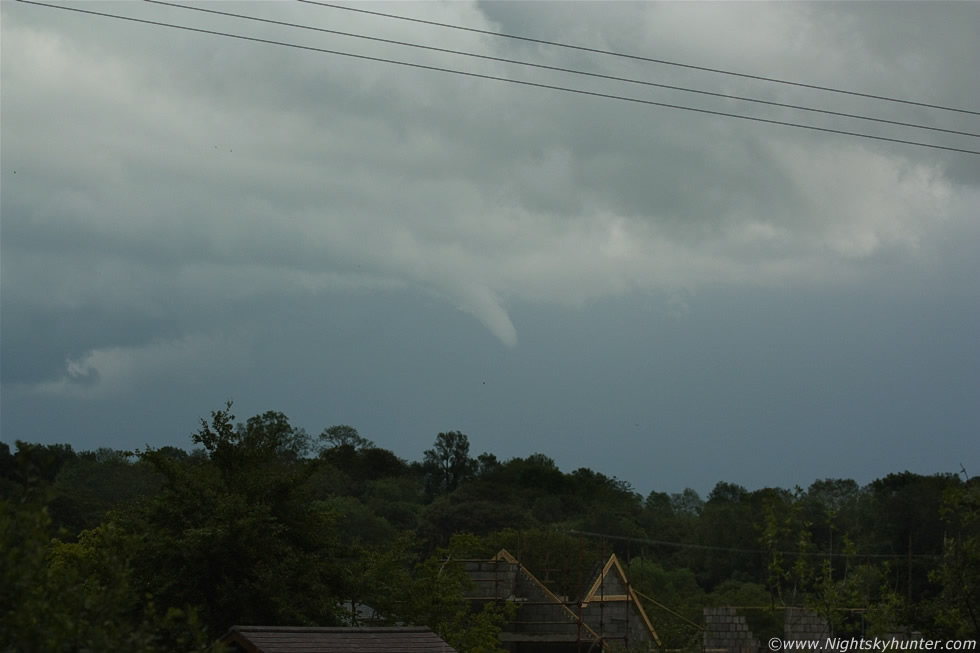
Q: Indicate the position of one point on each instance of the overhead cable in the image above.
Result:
(707, 547)
(636, 57)
(502, 79)
(560, 69)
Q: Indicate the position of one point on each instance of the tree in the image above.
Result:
(31, 465)
(907, 521)
(448, 515)
(560, 558)
(436, 599)
(431, 592)
(959, 604)
(361, 524)
(486, 463)
(59, 596)
(687, 502)
(678, 591)
(266, 437)
(272, 430)
(249, 543)
(539, 472)
(349, 471)
(839, 497)
(448, 463)
(779, 531)
(88, 487)
(727, 521)
(343, 435)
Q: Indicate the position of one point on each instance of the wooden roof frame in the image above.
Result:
(595, 594)
(506, 556)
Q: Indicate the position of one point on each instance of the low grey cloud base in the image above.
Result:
(671, 298)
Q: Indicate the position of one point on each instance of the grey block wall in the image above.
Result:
(725, 630)
(539, 614)
(546, 619)
(492, 579)
(803, 625)
(618, 621)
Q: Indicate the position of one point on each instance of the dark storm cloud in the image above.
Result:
(196, 217)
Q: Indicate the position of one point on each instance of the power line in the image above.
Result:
(635, 57)
(562, 69)
(706, 547)
(503, 79)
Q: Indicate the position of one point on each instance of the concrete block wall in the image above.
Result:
(492, 579)
(610, 619)
(728, 631)
(541, 616)
(620, 622)
(803, 625)
(610, 585)
(538, 614)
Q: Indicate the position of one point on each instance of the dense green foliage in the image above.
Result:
(164, 550)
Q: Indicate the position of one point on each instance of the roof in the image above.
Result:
(279, 639)
(611, 585)
(621, 591)
(506, 556)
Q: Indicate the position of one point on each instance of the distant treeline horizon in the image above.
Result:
(262, 523)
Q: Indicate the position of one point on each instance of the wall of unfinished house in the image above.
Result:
(538, 615)
(803, 625)
(543, 622)
(492, 579)
(616, 619)
(725, 630)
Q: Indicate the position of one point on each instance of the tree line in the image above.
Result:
(261, 523)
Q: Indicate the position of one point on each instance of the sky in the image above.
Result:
(669, 297)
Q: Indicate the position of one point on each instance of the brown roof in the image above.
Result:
(279, 639)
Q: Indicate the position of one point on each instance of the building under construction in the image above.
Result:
(606, 614)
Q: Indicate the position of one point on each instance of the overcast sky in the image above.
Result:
(669, 297)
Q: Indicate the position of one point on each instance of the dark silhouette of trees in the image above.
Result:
(343, 435)
(250, 528)
(448, 463)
